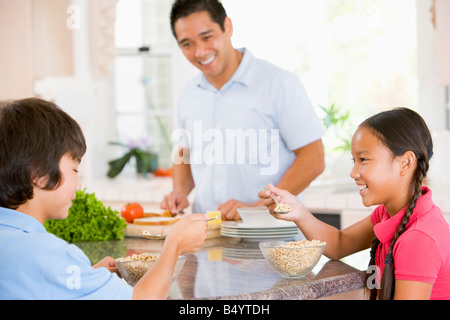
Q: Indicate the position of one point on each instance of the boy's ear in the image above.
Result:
(40, 182)
(408, 162)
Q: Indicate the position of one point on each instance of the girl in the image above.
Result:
(411, 239)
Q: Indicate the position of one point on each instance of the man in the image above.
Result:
(246, 122)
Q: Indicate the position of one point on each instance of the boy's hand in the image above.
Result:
(108, 263)
(189, 233)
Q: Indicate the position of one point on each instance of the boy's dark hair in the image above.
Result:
(400, 130)
(183, 8)
(34, 135)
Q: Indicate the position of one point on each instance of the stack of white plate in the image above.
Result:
(257, 224)
(242, 250)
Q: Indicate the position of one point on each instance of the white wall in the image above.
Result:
(432, 104)
(89, 101)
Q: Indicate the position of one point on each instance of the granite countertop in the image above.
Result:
(234, 269)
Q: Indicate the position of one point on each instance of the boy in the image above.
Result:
(41, 147)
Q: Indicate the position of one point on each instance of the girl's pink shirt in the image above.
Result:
(422, 252)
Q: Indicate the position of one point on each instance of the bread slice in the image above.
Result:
(156, 221)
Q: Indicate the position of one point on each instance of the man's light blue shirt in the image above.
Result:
(35, 264)
(242, 136)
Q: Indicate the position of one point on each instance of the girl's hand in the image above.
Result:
(283, 196)
(189, 233)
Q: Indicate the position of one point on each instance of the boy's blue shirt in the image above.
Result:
(35, 264)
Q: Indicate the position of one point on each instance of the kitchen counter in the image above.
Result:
(342, 200)
(234, 269)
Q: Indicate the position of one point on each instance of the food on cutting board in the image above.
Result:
(156, 220)
(154, 214)
(132, 211)
(213, 214)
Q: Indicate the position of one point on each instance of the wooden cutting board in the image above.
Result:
(162, 225)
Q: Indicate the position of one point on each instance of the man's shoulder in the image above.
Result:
(271, 72)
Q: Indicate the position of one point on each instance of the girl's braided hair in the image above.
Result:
(400, 130)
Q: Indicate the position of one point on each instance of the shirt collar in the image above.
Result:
(386, 229)
(241, 75)
(19, 220)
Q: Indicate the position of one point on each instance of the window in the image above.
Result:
(142, 73)
(359, 55)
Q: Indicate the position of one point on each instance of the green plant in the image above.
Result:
(145, 160)
(338, 126)
(88, 220)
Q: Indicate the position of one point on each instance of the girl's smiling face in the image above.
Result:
(377, 172)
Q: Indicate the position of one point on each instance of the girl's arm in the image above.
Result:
(340, 243)
(412, 290)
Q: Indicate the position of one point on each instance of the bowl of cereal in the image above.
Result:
(292, 259)
(133, 267)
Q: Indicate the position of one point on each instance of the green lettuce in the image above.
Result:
(88, 220)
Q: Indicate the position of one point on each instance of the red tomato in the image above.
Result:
(132, 211)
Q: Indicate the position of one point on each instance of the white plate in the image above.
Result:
(259, 224)
(261, 237)
(255, 231)
(257, 216)
(245, 225)
(260, 234)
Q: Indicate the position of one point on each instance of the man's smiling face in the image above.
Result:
(206, 45)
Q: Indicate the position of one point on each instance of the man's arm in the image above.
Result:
(308, 165)
(183, 184)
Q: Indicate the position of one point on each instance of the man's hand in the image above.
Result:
(175, 202)
(228, 209)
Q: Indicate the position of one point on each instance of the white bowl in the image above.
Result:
(132, 271)
(293, 259)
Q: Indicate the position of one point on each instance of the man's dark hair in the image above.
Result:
(183, 8)
(34, 135)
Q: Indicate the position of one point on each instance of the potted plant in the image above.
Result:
(146, 161)
(337, 145)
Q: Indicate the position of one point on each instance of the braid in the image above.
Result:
(373, 251)
(388, 280)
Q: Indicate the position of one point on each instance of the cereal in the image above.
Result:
(139, 257)
(133, 267)
(295, 258)
(282, 207)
